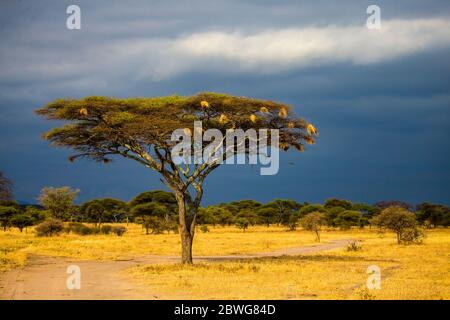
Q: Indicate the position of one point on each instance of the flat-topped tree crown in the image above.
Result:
(141, 129)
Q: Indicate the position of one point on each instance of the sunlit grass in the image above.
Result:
(218, 241)
(407, 272)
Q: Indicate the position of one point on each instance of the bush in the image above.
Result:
(49, 228)
(353, 246)
(412, 236)
(396, 219)
(204, 228)
(106, 229)
(119, 230)
(79, 228)
(242, 223)
(21, 221)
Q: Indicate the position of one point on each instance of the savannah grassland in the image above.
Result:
(407, 272)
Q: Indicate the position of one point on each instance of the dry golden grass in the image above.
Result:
(219, 241)
(408, 272)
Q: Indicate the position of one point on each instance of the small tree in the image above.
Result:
(313, 222)
(331, 215)
(50, 227)
(103, 210)
(6, 213)
(267, 215)
(291, 223)
(242, 223)
(205, 216)
(397, 219)
(58, 201)
(347, 219)
(223, 216)
(38, 215)
(284, 209)
(151, 215)
(21, 221)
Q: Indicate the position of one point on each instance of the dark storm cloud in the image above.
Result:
(383, 115)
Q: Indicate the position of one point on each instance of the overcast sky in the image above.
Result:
(380, 98)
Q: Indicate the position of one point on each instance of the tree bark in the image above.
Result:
(187, 217)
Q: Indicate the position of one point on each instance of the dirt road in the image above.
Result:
(45, 277)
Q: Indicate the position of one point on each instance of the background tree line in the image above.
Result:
(157, 211)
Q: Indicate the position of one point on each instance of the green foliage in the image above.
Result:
(38, 215)
(433, 215)
(158, 196)
(331, 214)
(333, 202)
(220, 214)
(103, 210)
(58, 201)
(267, 215)
(312, 208)
(313, 221)
(154, 216)
(242, 223)
(6, 213)
(156, 211)
(365, 209)
(21, 221)
(284, 209)
(347, 219)
(291, 223)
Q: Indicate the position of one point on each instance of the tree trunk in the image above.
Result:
(187, 217)
(186, 246)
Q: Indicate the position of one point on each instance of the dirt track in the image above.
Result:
(45, 277)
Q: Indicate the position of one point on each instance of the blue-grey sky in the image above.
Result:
(380, 98)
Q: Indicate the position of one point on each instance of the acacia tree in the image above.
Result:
(313, 222)
(103, 210)
(397, 219)
(58, 201)
(141, 129)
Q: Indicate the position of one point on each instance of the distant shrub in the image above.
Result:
(118, 230)
(106, 229)
(80, 229)
(204, 228)
(353, 246)
(49, 228)
(242, 223)
(412, 236)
